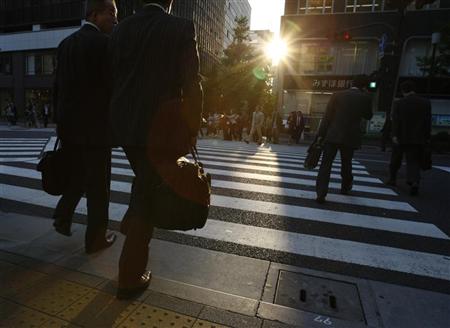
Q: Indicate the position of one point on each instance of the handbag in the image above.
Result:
(313, 155)
(426, 162)
(182, 200)
(53, 169)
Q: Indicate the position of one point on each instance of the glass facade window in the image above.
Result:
(5, 64)
(40, 64)
(22, 13)
(317, 59)
(338, 59)
(354, 6)
(316, 6)
(435, 5)
(414, 49)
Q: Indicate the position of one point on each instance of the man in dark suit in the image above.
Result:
(411, 130)
(155, 79)
(340, 129)
(82, 95)
(299, 125)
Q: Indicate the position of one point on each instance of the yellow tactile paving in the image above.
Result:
(23, 317)
(153, 317)
(56, 323)
(76, 308)
(16, 281)
(53, 297)
(207, 324)
(98, 308)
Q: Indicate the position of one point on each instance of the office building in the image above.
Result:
(30, 32)
(233, 10)
(331, 41)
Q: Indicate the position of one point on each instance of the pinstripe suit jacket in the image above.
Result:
(155, 64)
(82, 89)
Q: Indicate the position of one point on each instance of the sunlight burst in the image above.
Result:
(276, 50)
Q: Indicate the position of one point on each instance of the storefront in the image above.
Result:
(317, 69)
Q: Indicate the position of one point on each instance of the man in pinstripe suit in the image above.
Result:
(155, 75)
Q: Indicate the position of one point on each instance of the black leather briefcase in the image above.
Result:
(182, 200)
(54, 171)
(313, 155)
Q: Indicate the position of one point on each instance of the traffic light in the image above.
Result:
(346, 36)
(340, 36)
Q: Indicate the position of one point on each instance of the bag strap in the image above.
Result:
(55, 148)
(195, 155)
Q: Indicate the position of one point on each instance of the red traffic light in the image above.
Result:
(346, 36)
(340, 36)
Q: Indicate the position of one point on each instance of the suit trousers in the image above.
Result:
(323, 177)
(413, 156)
(137, 224)
(258, 130)
(90, 174)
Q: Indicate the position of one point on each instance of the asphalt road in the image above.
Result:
(263, 207)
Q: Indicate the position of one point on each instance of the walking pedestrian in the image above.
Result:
(45, 114)
(14, 113)
(82, 111)
(411, 131)
(9, 113)
(34, 119)
(340, 130)
(29, 116)
(155, 67)
(257, 125)
(291, 122)
(299, 126)
(277, 125)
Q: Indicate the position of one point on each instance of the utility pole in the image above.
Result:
(435, 40)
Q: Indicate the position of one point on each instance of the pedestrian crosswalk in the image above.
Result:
(21, 149)
(263, 200)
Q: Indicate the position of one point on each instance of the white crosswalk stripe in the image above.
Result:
(249, 180)
(21, 149)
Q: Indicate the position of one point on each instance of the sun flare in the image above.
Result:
(276, 50)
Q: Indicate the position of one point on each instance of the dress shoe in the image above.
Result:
(107, 242)
(346, 190)
(320, 200)
(62, 227)
(131, 292)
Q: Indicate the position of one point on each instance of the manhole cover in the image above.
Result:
(323, 296)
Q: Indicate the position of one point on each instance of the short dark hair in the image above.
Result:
(360, 81)
(408, 86)
(96, 6)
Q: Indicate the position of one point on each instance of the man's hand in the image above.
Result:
(395, 140)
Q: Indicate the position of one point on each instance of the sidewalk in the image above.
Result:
(46, 280)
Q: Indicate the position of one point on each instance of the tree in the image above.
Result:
(442, 60)
(243, 73)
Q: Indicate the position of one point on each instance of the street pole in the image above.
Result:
(435, 39)
(280, 82)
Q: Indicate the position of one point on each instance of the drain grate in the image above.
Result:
(319, 295)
